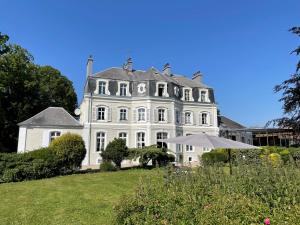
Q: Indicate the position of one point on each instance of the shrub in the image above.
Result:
(275, 159)
(70, 150)
(107, 166)
(215, 156)
(158, 156)
(115, 151)
(285, 155)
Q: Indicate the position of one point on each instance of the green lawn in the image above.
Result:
(74, 199)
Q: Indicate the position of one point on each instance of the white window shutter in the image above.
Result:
(94, 114)
(148, 115)
(183, 118)
(194, 119)
(134, 115)
(169, 116)
(155, 112)
(109, 112)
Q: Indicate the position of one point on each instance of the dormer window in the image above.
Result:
(102, 87)
(161, 89)
(203, 96)
(187, 95)
(123, 89)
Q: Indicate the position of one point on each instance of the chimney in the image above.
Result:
(167, 69)
(89, 66)
(197, 77)
(128, 65)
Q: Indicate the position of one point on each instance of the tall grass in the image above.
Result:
(211, 196)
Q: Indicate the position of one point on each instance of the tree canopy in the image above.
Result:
(26, 89)
(290, 89)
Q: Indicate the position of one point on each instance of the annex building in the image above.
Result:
(142, 107)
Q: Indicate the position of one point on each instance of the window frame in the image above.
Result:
(101, 138)
(140, 143)
(52, 137)
(144, 114)
(124, 138)
(104, 113)
(165, 90)
(122, 118)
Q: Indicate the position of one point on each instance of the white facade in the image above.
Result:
(139, 106)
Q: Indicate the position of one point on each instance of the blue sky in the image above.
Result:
(241, 47)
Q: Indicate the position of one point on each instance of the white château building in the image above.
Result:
(142, 107)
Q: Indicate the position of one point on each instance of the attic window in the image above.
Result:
(161, 89)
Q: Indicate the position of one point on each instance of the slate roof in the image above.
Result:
(227, 123)
(52, 116)
(151, 74)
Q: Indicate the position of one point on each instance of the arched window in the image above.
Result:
(160, 136)
(141, 114)
(101, 113)
(100, 141)
(140, 140)
(204, 118)
(123, 114)
(123, 135)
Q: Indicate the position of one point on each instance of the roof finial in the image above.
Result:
(128, 65)
(167, 69)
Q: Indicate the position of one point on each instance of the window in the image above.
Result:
(123, 114)
(188, 118)
(140, 139)
(189, 148)
(100, 141)
(243, 139)
(203, 96)
(190, 159)
(161, 90)
(141, 114)
(54, 134)
(101, 113)
(161, 115)
(177, 115)
(123, 136)
(204, 118)
(187, 95)
(159, 137)
(102, 87)
(205, 149)
(176, 91)
(123, 89)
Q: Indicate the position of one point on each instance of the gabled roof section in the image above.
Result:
(227, 123)
(52, 116)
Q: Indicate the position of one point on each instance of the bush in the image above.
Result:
(158, 156)
(107, 166)
(209, 195)
(64, 155)
(275, 159)
(115, 151)
(285, 155)
(70, 150)
(214, 157)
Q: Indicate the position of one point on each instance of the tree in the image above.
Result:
(116, 151)
(158, 156)
(290, 89)
(26, 89)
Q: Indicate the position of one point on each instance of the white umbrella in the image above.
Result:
(212, 142)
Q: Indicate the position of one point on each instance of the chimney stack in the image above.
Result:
(89, 66)
(167, 69)
(197, 77)
(128, 65)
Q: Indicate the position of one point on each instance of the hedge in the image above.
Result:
(63, 156)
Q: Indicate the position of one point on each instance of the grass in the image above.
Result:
(68, 200)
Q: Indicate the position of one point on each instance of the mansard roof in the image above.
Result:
(151, 74)
(52, 116)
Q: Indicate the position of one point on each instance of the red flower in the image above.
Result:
(267, 221)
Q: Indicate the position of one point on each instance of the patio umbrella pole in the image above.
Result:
(229, 159)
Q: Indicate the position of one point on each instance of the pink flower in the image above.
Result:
(267, 221)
